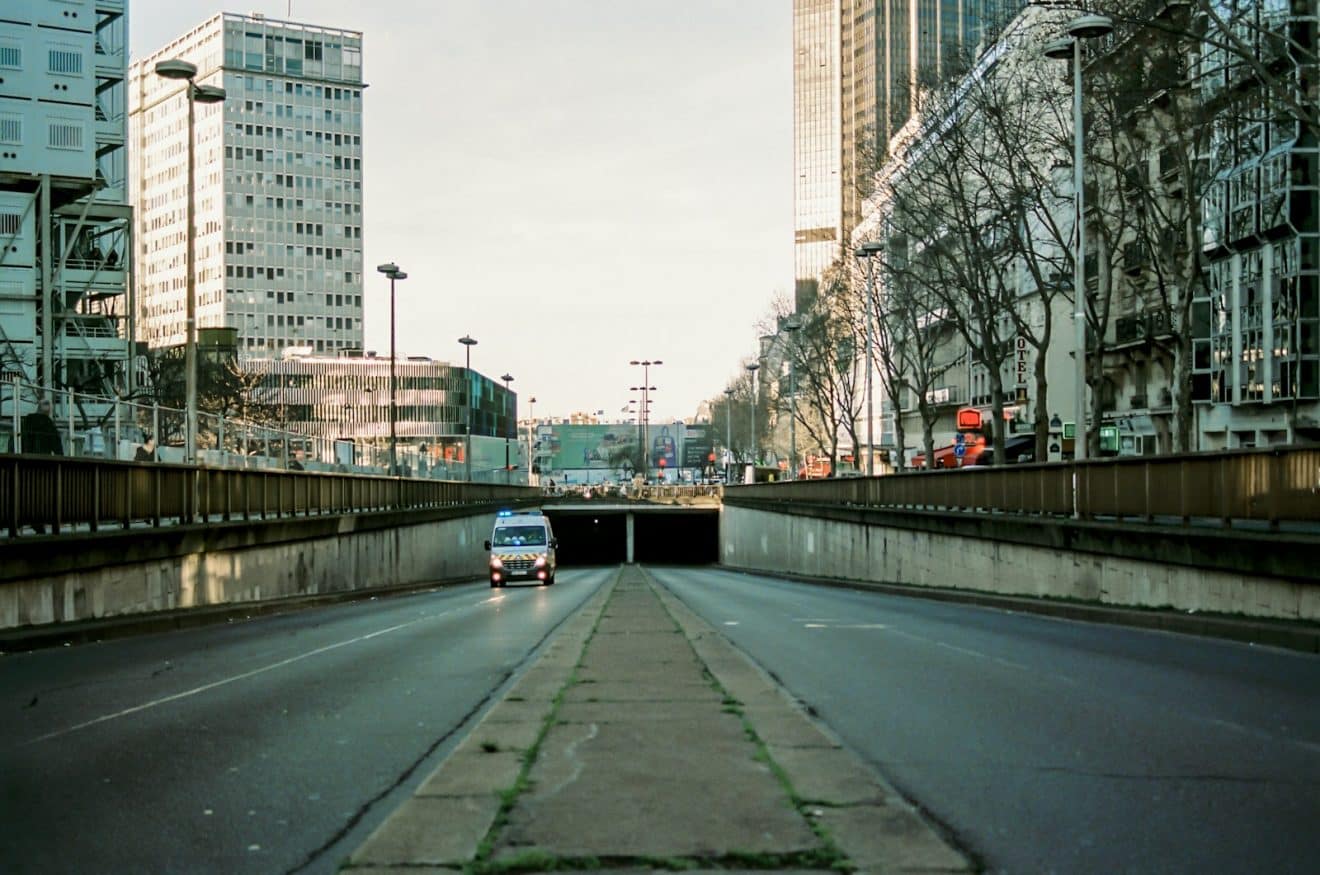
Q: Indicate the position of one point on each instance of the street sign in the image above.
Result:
(960, 449)
(959, 438)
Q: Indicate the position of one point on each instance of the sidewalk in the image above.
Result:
(641, 740)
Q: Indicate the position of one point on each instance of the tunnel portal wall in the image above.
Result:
(1209, 572)
(76, 578)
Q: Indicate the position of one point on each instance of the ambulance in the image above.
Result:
(522, 547)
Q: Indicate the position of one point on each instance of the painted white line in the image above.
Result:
(229, 680)
(731, 622)
(816, 626)
(962, 650)
(862, 626)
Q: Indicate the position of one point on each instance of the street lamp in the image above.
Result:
(865, 255)
(392, 271)
(752, 368)
(508, 475)
(647, 388)
(531, 433)
(469, 342)
(1064, 48)
(729, 434)
(792, 326)
(179, 69)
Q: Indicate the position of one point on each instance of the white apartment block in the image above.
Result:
(278, 183)
(65, 226)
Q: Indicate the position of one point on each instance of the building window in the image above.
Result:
(66, 61)
(66, 135)
(11, 56)
(11, 129)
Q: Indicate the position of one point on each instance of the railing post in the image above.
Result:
(59, 498)
(96, 497)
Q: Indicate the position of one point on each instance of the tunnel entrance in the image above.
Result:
(599, 536)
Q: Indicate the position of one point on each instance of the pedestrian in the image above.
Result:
(39, 432)
(146, 451)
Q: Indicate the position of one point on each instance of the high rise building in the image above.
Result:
(65, 224)
(278, 186)
(857, 67)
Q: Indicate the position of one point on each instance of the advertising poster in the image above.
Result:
(664, 447)
(574, 447)
(697, 446)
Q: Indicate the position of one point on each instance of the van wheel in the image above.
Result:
(550, 581)
(494, 584)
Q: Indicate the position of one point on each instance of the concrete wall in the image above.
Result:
(1210, 571)
(72, 578)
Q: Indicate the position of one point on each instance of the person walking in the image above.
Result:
(39, 432)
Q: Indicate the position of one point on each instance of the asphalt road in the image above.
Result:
(1048, 745)
(270, 745)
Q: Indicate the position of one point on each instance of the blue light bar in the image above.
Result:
(505, 513)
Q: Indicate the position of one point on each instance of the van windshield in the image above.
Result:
(519, 536)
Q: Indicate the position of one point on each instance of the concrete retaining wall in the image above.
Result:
(73, 578)
(1070, 561)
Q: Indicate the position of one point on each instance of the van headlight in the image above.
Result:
(540, 561)
(495, 562)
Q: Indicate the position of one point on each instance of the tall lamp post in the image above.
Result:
(865, 254)
(1065, 48)
(392, 271)
(728, 421)
(752, 368)
(468, 342)
(531, 436)
(792, 326)
(508, 473)
(647, 389)
(179, 69)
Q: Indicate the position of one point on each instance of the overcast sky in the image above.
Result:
(575, 183)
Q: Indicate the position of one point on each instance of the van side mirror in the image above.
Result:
(554, 543)
(488, 545)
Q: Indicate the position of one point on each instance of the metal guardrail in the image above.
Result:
(40, 493)
(1270, 486)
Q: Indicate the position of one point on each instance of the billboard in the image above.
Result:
(571, 447)
(698, 444)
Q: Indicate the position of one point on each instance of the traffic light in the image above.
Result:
(662, 461)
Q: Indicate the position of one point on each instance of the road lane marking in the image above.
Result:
(229, 680)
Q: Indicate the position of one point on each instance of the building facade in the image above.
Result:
(344, 401)
(278, 186)
(65, 225)
(857, 70)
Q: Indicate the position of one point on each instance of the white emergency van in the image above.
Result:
(522, 547)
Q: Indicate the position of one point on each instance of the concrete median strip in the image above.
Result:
(641, 740)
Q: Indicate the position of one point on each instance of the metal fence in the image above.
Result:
(1261, 487)
(56, 494)
(100, 427)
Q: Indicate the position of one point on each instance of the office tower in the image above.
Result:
(65, 226)
(278, 186)
(857, 66)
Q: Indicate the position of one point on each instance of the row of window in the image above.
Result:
(61, 133)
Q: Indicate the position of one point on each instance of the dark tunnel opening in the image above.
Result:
(659, 538)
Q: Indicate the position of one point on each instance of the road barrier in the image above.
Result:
(40, 493)
(1271, 487)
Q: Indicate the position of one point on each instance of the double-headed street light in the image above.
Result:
(508, 474)
(792, 325)
(753, 368)
(1065, 48)
(392, 271)
(647, 389)
(469, 342)
(179, 69)
(728, 421)
(531, 433)
(866, 255)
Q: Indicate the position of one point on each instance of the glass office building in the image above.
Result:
(856, 66)
(278, 186)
